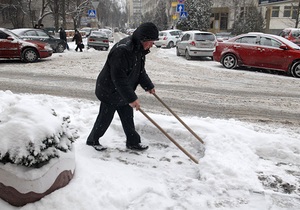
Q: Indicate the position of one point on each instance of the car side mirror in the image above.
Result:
(10, 38)
(283, 46)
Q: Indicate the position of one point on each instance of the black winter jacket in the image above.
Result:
(122, 73)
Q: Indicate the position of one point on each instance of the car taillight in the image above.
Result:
(105, 41)
(91, 40)
(193, 43)
(165, 38)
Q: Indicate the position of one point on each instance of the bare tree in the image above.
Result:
(14, 10)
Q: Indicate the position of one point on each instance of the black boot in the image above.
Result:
(97, 146)
(138, 147)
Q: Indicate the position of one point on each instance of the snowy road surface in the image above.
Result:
(198, 88)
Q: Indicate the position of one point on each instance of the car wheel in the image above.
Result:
(177, 52)
(296, 70)
(170, 44)
(105, 48)
(229, 61)
(187, 56)
(60, 48)
(30, 55)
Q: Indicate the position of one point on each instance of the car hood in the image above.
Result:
(34, 42)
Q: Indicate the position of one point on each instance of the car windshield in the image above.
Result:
(291, 44)
(162, 34)
(204, 37)
(296, 33)
(98, 33)
(10, 33)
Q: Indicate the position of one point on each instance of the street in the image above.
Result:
(199, 87)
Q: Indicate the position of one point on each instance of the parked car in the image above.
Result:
(259, 50)
(109, 34)
(13, 47)
(223, 36)
(168, 38)
(196, 44)
(87, 31)
(292, 34)
(58, 45)
(98, 40)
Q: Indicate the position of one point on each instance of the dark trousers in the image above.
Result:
(78, 46)
(104, 118)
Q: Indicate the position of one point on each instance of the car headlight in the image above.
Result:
(47, 47)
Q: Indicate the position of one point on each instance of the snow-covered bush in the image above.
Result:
(32, 134)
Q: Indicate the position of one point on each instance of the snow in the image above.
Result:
(242, 166)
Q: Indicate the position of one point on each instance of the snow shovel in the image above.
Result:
(175, 115)
(169, 137)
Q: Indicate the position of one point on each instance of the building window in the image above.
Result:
(275, 11)
(224, 21)
(287, 11)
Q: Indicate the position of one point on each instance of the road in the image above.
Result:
(200, 88)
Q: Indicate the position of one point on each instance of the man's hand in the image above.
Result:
(152, 91)
(135, 104)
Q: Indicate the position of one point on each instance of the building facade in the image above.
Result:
(279, 14)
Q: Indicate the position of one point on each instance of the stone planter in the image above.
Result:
(20, 185)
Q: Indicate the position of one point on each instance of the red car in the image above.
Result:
(12, 47)
(259, 50)
(292, 34)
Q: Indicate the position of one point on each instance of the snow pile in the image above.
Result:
(32, 133)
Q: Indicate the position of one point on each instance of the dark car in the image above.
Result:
(259, 50)
(13, 47)
(58, 45)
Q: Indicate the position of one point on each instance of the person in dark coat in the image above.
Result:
(123, 71)
(78, 40)
(63, 36)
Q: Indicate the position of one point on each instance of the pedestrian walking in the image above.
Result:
(123, 71)
(78, 40)
(63, 36)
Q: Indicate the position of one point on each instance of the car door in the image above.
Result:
(9, 48)
(270, 54)
(44, 37)
(183, 43)
(245, 48)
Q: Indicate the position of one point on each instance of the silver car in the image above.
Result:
(98, 40)
(196, 44)
(109, 34)
(168, 38)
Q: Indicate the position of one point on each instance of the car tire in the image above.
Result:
(229, 61)
(60, 48)
(170, 44)
(177, 52)
(295, 70)
(187, 56)
(30, 55)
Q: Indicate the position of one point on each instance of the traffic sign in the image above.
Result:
(180, 1)
(180, 8)
(92, 13)
(183, 15)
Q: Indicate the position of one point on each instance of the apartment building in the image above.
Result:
(225, 12)
(279, 14)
